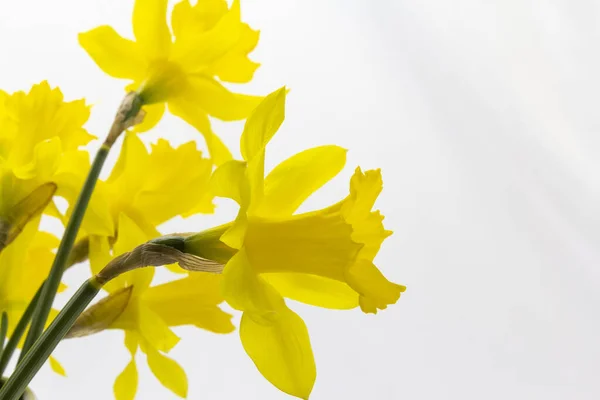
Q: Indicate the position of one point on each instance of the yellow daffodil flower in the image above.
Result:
(40, 135)
(150, 188)
(24, 265)
(146, 313)
(179, 68)
(323, 257)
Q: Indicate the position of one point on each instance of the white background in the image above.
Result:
(483, 118)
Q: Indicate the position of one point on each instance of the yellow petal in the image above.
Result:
(126, 383)
(191, 113)
(195, 49)
(188, 20)
(116, 56)
(168, 372)
(150, 28)
(56, 367)
(217, 101)
(155, 330)
(154, 113)
(262, 124)
(45, 161)
(235, 66)
(281, 351)
(294, 180)
(376, 292)
(314, 290)
(244, 290)
(229, 181)
(191, 301)
(177, 183)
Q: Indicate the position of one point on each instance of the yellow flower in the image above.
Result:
(323, 257)
(40, 135)
(150, 188)
(24, 265)
(179, 68)
(147, 313)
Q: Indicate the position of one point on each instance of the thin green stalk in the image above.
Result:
(40, 315)
(127, 116)
(3, 330)
(19, 331)
(43, 347)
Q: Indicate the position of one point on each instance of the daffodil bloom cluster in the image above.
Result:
(178, 68)
(268, 253)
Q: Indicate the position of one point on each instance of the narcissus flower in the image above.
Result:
(150, 188)
(179, 68)
(146, 314)
(323, 257)
(24, 265)
(40, 135)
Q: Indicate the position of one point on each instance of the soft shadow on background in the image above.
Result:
(484, 121)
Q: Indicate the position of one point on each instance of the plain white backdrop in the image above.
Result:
(483, 117)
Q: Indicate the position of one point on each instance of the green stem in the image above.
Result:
(19, 331)
(42, 311)
(43, 347)
(3, 330)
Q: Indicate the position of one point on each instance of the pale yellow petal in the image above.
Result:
(262, 124)
(195, 49)
(192, 300)
(155, 330)
(116, 56)
(168, 372)
(376, 291)
(281, 351)
(153, 114)
(150, 28)
(57, 367)
(217, 101)
(294, 180)
(125, 386)
(229, 181)
(314, 290)
(194, 115)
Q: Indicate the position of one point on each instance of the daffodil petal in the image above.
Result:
(179, 303)
(281, 351)
(235, 66)
(116, 56)
(168, 372)
(262, 124)
(190, 112)
(153, 114)
(196, 50)
(150, 28)
(44, 163)
(314, 290)
(125, 386)
(229, 180)
(376, 292)
(218, 101)
(155, 330)
(56, 366)
(294, 180)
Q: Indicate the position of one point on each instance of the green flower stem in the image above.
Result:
(19, 331)
(40, 315)
(3, 329)
(43, 347)
(127, 116)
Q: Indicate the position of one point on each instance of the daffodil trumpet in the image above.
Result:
(128, 115)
